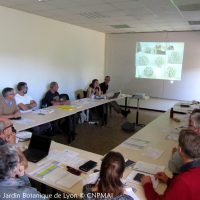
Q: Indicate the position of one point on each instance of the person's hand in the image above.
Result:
(174, 150)
(21, 170)
(17, 114)
(11, 138)
(66, 102)
(145, 179)
(162, 177)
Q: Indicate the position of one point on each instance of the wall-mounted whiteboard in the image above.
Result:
(120, 64)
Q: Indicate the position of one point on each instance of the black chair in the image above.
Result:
(64, 97)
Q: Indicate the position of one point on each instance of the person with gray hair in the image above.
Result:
(175, 161)
(7, 136)
(14, 184)
(8, 107)
(185, 185)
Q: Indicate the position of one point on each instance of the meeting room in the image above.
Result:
(100, 99)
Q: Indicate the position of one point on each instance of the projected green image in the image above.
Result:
(159, 60)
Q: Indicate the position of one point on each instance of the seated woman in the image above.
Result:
(94, 89)
(12, 178)
(109, 184)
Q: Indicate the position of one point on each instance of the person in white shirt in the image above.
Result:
(23, 100)
(26, 103)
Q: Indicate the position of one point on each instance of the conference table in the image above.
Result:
(41, 116)
(156, 133)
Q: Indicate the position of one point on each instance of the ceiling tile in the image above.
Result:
(140, 15)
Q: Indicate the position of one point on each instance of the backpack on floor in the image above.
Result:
(128, 127)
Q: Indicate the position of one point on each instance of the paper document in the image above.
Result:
(23, 121)
(148, 167)
(68, 180)
(153, 152)
(173, 137)
(44, 111)
(134, 143)
(62, 178)
(45, 169)
(91, 179)
(67, 157)
(51, 171)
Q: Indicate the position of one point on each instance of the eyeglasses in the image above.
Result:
(10, 126)
(11, 94)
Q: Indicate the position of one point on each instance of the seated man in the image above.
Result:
(52, 98)
(184, 186)
(176, 162)
(8, 107)
(23, 100)
(26, 103)
(7, 136)
(104, 87)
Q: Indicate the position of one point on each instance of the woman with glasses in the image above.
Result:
(14, 184)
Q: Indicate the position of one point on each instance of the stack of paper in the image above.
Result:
(148, 167)
(134, 143)
(67, 157)
(153, 152)
(51, 171)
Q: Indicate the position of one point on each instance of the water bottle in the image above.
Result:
(92, 96)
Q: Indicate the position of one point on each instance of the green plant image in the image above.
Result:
(143, 60)
(171, 72)
(159, 61)
(174, 58)
(148, 72)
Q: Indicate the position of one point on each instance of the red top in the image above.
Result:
(185, 186)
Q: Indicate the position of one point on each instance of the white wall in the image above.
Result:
(39, 50)
(120, 64)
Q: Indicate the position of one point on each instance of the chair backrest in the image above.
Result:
(81, 94)
(43, 103)
(64, 96)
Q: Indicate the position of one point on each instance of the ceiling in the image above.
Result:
(117, 16)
